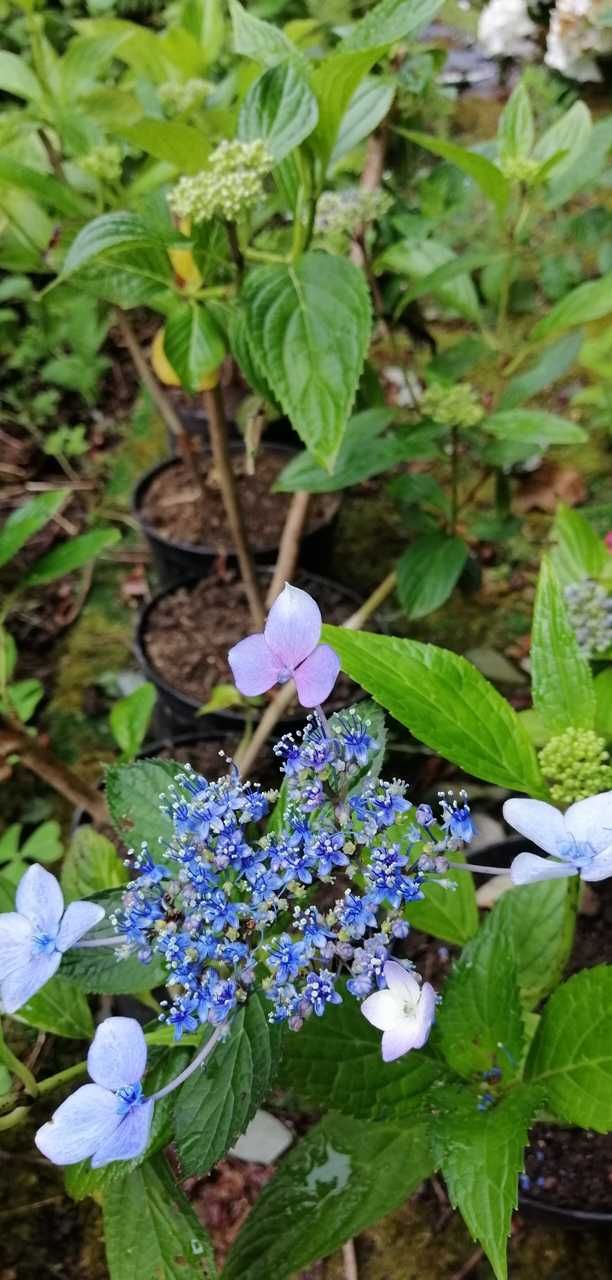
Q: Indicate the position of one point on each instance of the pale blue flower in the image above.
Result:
(35, 936)
(288, 648)
(404, 1011)
(109, 1119)
(579, 841)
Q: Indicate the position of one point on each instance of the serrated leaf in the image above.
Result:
(562, 684)
(214, 1107)
(571, 1053)
(445, 702)
(389, 21)
(339, 1179)
(589, 301)
(99, 970)
(280, 109)
(429, 571)
(488, 177)
(151, 1231)
(533, 427)
(26, 520)
(133, 795)
(556, 361)
(111, 231)
(336, 1063)
(60, 1008)
(309, 328)
(481, 1154)
(193, 344)
(537, 922)
(480, 1022)
(91, 865)
(69, 556)
(447, 913)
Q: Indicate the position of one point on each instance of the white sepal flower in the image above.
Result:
(404, 1012)
(579, 842)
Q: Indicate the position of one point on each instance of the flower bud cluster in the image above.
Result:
(320, 894)
(342, 214)
(590, 613)
(576, 765)
(179, 98)
(456, 406)
(232, 181)
(103, 161)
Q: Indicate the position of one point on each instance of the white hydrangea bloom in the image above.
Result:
(505, 30)
(576, 37)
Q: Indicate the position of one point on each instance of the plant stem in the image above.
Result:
(62, 1077)
(217, 427)
(52, 771)
(454, 479)
(289, 547)
(245, 758)
(17, 1068)
(235, 250)
(198, 1061)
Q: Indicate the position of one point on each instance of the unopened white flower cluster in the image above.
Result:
(232, 181)
(343, 212)
(577, 35)
(180, 98)
(103, 161)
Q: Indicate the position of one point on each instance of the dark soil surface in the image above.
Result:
(173, 504)
(191, 630)
(206, 758)
(571, 1168)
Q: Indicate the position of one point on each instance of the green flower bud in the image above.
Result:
(178, 98)
(456, 406)
(232, 181)
(103, 161)
(575, 765)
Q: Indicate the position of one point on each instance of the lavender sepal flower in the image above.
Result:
(579, 842)
(288, 648)
(404, 1012)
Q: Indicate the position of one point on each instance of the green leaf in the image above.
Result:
(44, 844)
(26, 520)
(214, 1108)
(432, 260)
(61, 1009)
(429, 571)
(129, 718)
(556, 361)
(603, 704)
(69, 556)
(17, 78)
(480, 1023)
(91, 865)
(205, 20)
(481, 1154)
(181, 145)
(562, 684)
(578, 552)
(533, 427)
(23, 697)
(259, 40)
(364, 452)
(339, 1179)
(193, 344)
(537, 922)
(516, 131)
(52, 193)
(389, 21)
(368, 106)
(99, 970)
(336, 1063)
(117, 230)
(445, 702)
(280, 108)
(488, 177)
(133, 795)
(447, 913)
(150, 1230)
(454, 268)
(590, 301)
(335, 82)
(309, 333)
(570, 134)
(571, 1053)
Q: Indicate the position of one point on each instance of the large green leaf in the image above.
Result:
(553, 363)
(590, 301)
(110, 231)
(26, 520)
(570, 134)
(69, 556)
(571, 1053)
(178, 143)
(335, 1062)
(562, 684)
(150, 1230)
(59, 1007)
(16, 77)
(368, 106)
(430, 260)
(481, 1154)
(91, 865)
(335, 82)
(309, 328)
(97, 969)
(533, 427)
(480, 1021)
(489, 178)
(280, 108)
(389, 21)
(578, 552)
(193, 344)
(49, 190)
(133, 794)
(448, 913)
(339, 1179)
(429, 571)
(257, 39)
(445, 702)
(537, 923)
(214, 1107)
(364, 452)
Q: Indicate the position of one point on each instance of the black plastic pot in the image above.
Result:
(175, 561)
(176, 711)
